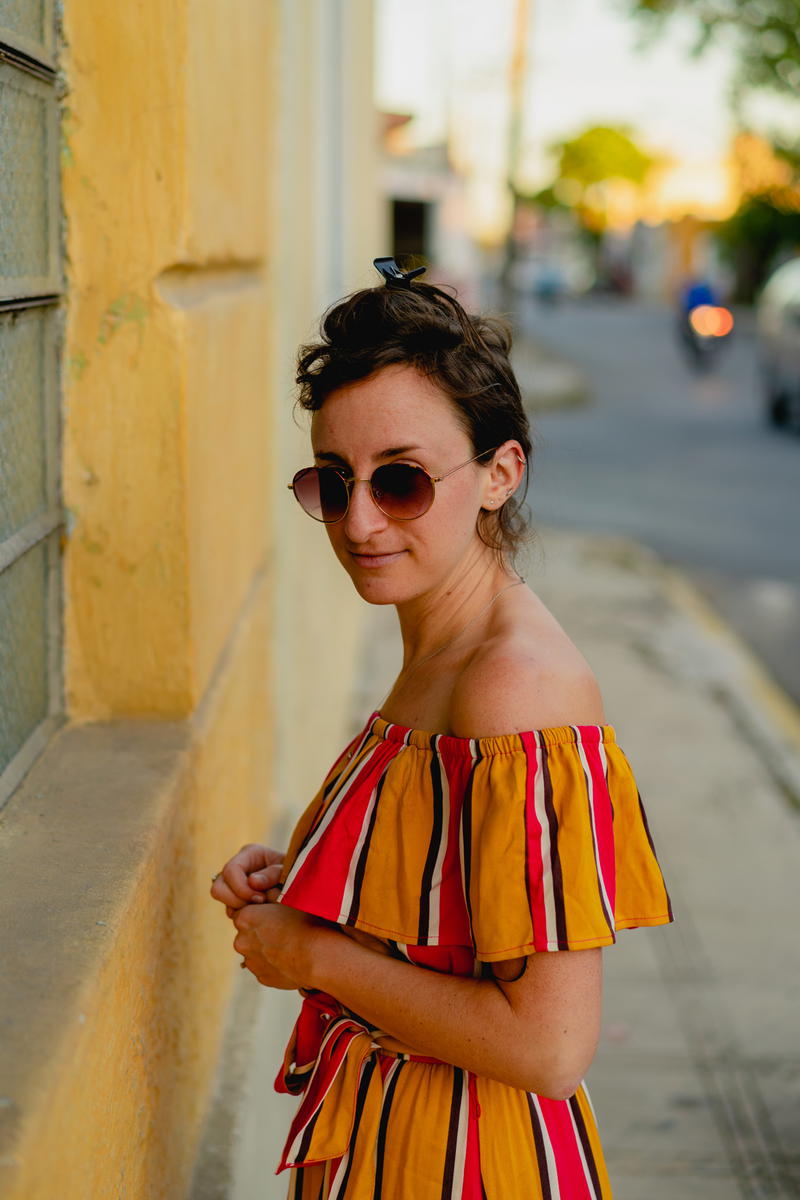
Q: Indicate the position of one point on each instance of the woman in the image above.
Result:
(484, 817)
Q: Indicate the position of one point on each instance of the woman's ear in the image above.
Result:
(503, 476)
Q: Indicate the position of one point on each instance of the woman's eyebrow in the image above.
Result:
(329, 456)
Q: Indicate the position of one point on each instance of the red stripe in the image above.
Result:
(569, 1165)
(473, 1185)
(318, 887)
(453, 917)
(533, 847)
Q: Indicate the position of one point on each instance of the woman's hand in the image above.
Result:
(276, 943)
(247, 877)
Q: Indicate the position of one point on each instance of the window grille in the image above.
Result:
(30, 287)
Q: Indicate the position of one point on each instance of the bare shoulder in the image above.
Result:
(517, 681)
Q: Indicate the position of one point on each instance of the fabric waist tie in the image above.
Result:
(331, 1060)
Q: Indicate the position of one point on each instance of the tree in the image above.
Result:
(586, 167)
(602, 153)
(763, 230)
(766, 32)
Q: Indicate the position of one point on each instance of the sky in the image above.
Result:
(585, 67)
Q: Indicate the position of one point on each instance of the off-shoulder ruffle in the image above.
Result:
(509, 845)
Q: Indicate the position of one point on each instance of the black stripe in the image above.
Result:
(466, 837)
(361, 865)
(423, 933)
(583, 1134)
(653, 851)
(380, 1144)
(555, 861)
(296, 1192)
(452, 1135)
(363, 1088)
(330, 793)
(541, 1157)
(308, 1133)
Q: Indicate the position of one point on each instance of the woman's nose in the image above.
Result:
(363, 517)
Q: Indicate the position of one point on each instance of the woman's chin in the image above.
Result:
(376, 591)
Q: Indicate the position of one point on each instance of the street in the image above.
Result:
(684, 462)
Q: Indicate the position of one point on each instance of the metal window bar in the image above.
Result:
(31, 517)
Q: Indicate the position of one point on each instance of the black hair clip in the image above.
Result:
(394, 277)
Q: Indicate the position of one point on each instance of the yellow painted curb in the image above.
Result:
(763, 688)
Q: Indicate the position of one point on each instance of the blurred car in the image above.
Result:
(778, 329)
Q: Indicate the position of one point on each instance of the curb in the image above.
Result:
(765, 713)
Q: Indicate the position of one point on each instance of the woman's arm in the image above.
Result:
(538, 1033)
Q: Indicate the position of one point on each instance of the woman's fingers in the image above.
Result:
(272, 896)
(267, 878)
(231, 886)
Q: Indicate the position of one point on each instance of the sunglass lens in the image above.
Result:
(321, 492)
(402, 491)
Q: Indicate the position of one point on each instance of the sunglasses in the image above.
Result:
(402, 491)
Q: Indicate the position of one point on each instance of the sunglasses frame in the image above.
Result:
(350, 481)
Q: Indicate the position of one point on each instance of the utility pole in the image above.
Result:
(517, 79)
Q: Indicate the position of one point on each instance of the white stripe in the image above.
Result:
(604, 897)
(550, 1158)
(294, 1149)
(434, 913)
(338, 1179)
(339, 795)
(349, 887)
(548, 891)
(579, 1144)
(460, 1162)
(461, 847)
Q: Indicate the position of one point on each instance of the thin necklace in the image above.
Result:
(446, 645)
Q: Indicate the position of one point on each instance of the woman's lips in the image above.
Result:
(375, 560)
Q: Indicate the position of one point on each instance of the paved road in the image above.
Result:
(684, 463)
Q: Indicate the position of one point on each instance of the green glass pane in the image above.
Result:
(25, 182)
(24, 17)
(23, 650)
(23, 347)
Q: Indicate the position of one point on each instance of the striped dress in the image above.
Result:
(457, 852)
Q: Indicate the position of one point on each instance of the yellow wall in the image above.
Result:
(209, 638)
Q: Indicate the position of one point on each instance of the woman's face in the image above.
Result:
(399, 415)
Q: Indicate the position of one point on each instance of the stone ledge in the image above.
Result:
(74, 841)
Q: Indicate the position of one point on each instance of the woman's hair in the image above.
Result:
(467, 356)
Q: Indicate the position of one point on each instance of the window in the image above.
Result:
(30, 286)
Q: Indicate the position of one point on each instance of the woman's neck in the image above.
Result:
(429, 624)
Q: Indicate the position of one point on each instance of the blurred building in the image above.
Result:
(427, 207)
(166, 616)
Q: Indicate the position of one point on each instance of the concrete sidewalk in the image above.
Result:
(697, 1080)
(546, 380)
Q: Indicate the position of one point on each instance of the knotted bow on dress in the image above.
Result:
(331, 1059)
